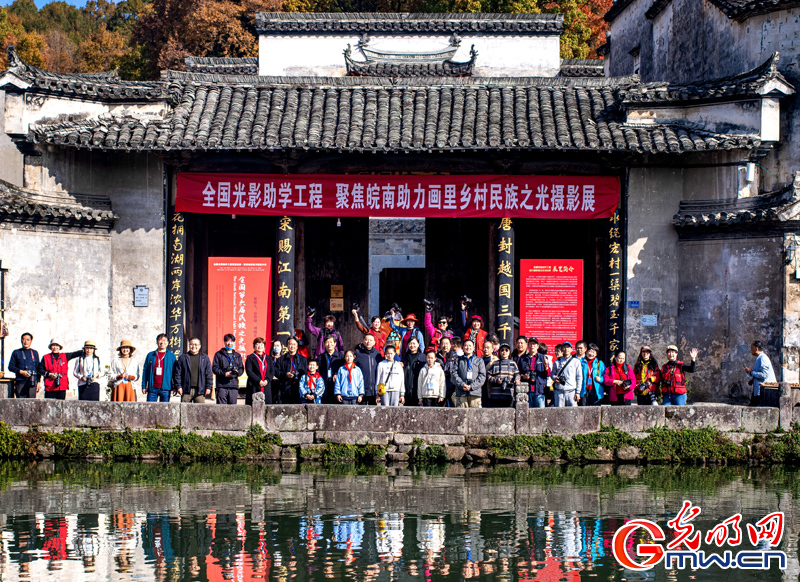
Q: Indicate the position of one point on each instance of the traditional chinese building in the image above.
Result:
(385, 158)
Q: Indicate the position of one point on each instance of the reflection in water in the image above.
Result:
(169, 523)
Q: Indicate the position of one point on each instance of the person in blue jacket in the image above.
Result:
(312, 385)
(593, 371)
(349, 387)
(157, 371)
(23, 364)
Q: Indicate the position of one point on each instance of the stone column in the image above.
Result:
(176, 282)
(284, 278)
(505, 280)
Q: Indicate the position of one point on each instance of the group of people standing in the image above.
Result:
(391, 366)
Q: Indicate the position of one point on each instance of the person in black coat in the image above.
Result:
(291, 366)
(23, 363)
(260, 371)
(413, 362)
(367, 360)
(329, 362)
(227, 367)
(193, 378)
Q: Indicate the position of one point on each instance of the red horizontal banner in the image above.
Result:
(452, 196)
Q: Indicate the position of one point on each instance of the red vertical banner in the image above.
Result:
(551, 300)
(239, 301)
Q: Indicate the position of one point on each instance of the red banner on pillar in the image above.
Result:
(238, 301)
(551, 300)
(450, 196)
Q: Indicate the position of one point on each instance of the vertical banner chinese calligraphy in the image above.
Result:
(616, 293)
(176, 281)
(284, 279)
(551, 300)
(239, 300)
(505, 280)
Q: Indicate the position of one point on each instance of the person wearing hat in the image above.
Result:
(87, 370)
(54, 370)
(673, 377)
(567, 376)
(411, 330)
(646, 371)
(125, 370)
(436, 333)
(475, 332)
(503, 378)
(23, 364)
(302, 343)
(157, 371)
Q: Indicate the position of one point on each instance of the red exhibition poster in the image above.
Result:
(238, 301)
(551, 300)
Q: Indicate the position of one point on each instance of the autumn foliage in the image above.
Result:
(143, 37)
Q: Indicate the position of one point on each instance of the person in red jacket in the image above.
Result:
(620, 380)
(438, 332)
(54, 370)
(475, 332)
(673, 377)
(375, 331)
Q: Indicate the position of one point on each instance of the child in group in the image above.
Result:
(312, 385)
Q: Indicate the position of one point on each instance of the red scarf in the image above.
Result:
(589, 375)
(350, 371)
(312, 382)
(621, 371)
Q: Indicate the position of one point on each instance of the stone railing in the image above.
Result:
(309, 423)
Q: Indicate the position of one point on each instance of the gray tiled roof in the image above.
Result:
(26, 206)
(374, 114)
(410, 67)
(99, 86)
(222, 65)
(744, 9)
(581, 68)
(276, 22)
(748, 84)
(735, 211)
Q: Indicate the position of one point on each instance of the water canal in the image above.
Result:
(137, 521)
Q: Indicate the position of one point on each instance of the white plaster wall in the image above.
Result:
(10, 157)
(507, 55)
(134, 251)
(57, 286)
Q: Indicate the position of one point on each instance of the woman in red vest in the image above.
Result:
(673, 377)
(54, 370)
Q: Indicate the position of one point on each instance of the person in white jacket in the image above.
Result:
(392, 377)
(431, 385)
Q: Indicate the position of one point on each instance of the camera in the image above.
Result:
(504, 384)
(57, 381)
(355, 306)
(397, 308)
(668, 383)
(626, 384)
(466, 300)
(428, 305)
(310, 311)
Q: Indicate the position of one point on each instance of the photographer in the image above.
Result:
(620, 380)
(567, 378)
(54, 370)
(87, 371)
(646, 372)
(435, 333)
(227, 367)
(503, 375)
(23, 364)
(475, 332)
(321, 334)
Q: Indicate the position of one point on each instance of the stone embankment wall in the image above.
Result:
(301, 424)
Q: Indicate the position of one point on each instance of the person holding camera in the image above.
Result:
(23, 363)
(125, 370)
(435, 333)
(321, 334)
(567, 376)
(54, 370)
(227, 367)
(503, 375)
(673, 377)
(594, 373)
(475, 332)
(87, 371)
(646, 372)
(620, 380)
